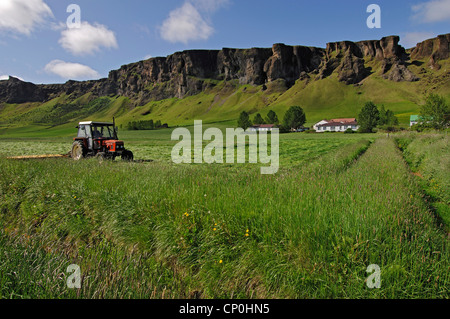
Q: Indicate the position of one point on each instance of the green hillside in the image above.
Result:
(321, 99)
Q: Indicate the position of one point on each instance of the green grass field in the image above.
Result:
(158, 230)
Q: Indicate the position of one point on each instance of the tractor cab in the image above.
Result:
(95, 133)
(98, 139)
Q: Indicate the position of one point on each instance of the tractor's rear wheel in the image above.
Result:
(78, 150)
(127, 156)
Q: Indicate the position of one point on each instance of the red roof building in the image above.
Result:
(262, 127)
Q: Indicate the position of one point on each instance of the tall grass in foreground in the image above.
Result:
(215, 232)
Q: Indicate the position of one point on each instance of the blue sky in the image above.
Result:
(37, 45)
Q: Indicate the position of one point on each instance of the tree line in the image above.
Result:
(143, 125)
(294, 119)
(371, 117)
(434, 114)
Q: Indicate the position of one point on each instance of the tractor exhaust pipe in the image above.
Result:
(114, 128)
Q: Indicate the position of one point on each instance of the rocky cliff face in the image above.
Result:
(435, 50)
(17, 91)
(348, 59)
(185, 73)
(190, 72)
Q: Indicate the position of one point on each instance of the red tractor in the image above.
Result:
(98, 139)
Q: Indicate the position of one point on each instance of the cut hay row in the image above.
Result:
(38, 156)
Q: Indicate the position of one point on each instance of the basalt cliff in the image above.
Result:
(190, 72)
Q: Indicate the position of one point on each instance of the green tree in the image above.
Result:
(294, 118)
(387, 117)
(435, 111)
(383, 118)
(244, 120)
(391, 119)
(258, 119)
(151, 125)
(368, 118)
(132, 126)
(272, 118)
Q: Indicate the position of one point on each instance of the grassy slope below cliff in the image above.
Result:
(321, 99)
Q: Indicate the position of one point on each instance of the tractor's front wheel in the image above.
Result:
(78, 150)
(127, 156)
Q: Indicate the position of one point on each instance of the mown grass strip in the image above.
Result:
(428, 157)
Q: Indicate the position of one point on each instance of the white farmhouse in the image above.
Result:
(336, 125)
(315, 127)
(262, 128)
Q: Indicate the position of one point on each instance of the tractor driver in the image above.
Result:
(96, 133)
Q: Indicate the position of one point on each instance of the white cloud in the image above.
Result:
(432, 11)
(87, 39)
(58, 26)
(148, 56)
(23, 16)
(411, 39)
(185, 24)
(73, 71)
